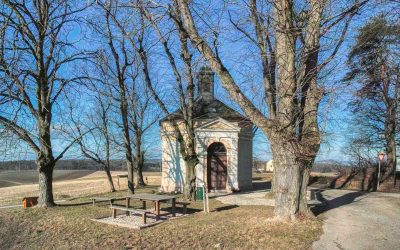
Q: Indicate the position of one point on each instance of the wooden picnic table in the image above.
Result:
(156, 198)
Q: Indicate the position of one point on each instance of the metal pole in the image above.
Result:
(379, 174)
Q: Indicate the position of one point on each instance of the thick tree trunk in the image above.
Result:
(287, 185)
(290, 182)
(303, 206)
(190, 184)
(46, 186)
(45, 160)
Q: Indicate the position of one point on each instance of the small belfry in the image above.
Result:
(224, 142)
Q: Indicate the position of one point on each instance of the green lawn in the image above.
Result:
(70, 227)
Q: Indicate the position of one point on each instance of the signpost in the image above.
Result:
(381, 156)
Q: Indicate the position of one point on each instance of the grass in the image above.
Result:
(230, 227)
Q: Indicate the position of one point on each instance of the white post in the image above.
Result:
(379, 174)
(204, 202)
(206, 199)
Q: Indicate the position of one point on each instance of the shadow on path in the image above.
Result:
(261, 185)
(335, 202)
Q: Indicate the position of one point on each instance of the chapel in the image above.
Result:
(224, 144)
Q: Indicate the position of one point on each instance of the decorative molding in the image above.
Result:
(208, 126)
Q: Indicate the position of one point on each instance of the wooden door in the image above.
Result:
(216, 167)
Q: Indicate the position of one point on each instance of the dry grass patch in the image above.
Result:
(67, 227)
(69, 183)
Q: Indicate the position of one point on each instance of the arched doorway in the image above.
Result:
(216, 166)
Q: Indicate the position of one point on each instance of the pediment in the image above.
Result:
(219, 124)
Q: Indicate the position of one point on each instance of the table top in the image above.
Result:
(122, 175)
(151, 197)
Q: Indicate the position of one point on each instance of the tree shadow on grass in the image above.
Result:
(180, 210)
(75, 204)
(335, 202)
(224, 208)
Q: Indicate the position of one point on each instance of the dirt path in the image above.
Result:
(256, 198)
(356, 220)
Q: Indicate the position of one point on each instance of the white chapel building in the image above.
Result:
(224, 143)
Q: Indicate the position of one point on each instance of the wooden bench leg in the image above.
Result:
(144, 205)
(184, 208)
(128, 201)
(157, 210)
(144, 216)
(94, 201)
(114, 213)
(173, 207)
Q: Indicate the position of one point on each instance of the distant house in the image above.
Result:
(224, 143)
(269, 166)
(398, 163)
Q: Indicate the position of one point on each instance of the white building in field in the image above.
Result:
(224, 142)
(269, 166)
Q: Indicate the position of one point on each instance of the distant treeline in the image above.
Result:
(76, 164)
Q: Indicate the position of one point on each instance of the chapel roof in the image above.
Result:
(206, 106)
(209, 109)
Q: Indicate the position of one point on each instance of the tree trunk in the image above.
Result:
(287, 187)
(390, 135)
(109, 178)
(139, 169)
(127, 140)
(131, 187)
(45, 160)
(190, 184)
(303, 203)
(46, 186)
(290, 182)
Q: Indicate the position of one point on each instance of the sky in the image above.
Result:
(335, 115)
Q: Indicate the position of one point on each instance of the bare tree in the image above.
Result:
(184, 130)
(96, 144)
(375, 73)
(115, 64)
(292, 91)
(36, 54)
(142, 116)
(125, 32)
(138, 41)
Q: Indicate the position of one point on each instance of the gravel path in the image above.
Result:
(135, 221)
(356, 220)
(246, 199)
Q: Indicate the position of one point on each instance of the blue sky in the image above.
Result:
(334, 112)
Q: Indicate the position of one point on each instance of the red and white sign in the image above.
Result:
(381, 156)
